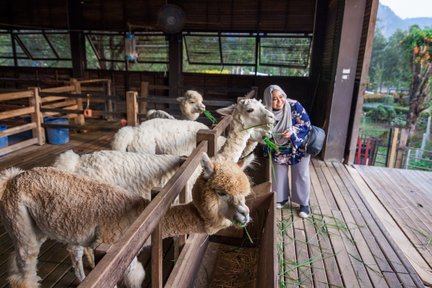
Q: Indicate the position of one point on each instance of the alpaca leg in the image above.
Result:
(22, 272)
(76, 253)
(134, 275)
(27, 240)
(88, 252)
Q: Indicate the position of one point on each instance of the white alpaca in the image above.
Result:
(191, 106)
(46, 203)
(136, 172)
(178, 137)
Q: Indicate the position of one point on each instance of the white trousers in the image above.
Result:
(300, 181)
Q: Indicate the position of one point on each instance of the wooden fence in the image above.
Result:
(118, 257)
(25, 110)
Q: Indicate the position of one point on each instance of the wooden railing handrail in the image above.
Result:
(16, 95)
(112, 266)
(93, 81)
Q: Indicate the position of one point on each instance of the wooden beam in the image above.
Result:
(350, 36)
(16, 112)
(363, 81)
(111, 268)
(189, 261)
(393, 148)
(17, 129)
(156, 259)
(132, 108)
(175, 65)
(144, 92)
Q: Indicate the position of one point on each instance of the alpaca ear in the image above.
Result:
(246, 161)
(207, 166)
(225, 111)
(180, 99)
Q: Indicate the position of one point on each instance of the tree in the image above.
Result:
(377, 61)
(419, 43)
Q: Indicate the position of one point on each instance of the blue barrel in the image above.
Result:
(57, 135)
(3, 140)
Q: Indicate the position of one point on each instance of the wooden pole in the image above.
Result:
(39, 131)
(144, 94)
(132, 108)
(404, 133)
(393, 148)
(109, 102)
(79, 120)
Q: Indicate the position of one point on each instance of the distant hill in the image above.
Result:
(389, 22)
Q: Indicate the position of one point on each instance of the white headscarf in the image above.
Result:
(283, 116)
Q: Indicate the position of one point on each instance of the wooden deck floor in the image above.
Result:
(370, 227)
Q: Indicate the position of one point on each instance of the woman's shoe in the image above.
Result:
(304, 211)
(280, 205)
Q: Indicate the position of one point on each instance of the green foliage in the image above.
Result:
(419, 41)
(383, 113)
(388, 100)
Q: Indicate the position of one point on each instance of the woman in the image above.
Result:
(290, 131)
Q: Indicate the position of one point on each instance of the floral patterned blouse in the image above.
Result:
(292, 152)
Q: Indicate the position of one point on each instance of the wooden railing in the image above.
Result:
(146, 100)
(38, 134)
(112, 266)
(36, 103)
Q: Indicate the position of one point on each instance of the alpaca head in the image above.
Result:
(219, 194)
(250, 113)
(191, 104)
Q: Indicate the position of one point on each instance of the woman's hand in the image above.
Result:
(286, 134)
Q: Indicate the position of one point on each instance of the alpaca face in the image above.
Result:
(191, 104)
(222, 192)
(252, 114)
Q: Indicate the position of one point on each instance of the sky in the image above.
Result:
(410, 8)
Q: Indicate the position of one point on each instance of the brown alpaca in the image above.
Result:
(46, 203)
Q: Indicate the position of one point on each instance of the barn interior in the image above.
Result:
(117, 59)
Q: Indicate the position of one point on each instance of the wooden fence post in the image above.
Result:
(79, 120)
(391, 163)
(144, 94)
(210, 136)
(110, 117)
(132, 108)
(401, 147)
(36, 117)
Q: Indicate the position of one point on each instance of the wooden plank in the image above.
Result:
(53, 99)
(16, 112)
(17, 129)
(331, 267)
(302, 255)
(387, 254)
(15, 95)
(39, 131)
(393, 148)
(18, 146)
(110, 269)
(68, 102)
(144, 92)
(364, 79)
(361, 236)
(392, 198)
(336, 237)
(188, 263)
(132, 108)
(344, 217)
(156, 259)
(68, 88)
(267, 259)
(314, 246)
(412, 255)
